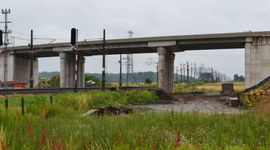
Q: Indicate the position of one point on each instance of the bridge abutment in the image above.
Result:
(67, 70)
(165, 70)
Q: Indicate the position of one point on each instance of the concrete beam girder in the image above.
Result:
(125, 46)
(62, 49)
(161, 43)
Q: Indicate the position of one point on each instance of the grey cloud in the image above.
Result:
(54, 18)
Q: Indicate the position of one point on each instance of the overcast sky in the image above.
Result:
(53, 19)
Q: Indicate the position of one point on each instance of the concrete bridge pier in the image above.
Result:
(165, 69)
(67, 70)
(81, 75)
(22, 70)
(18, 69)
(257, 60)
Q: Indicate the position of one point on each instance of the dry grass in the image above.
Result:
(216, 87)
(211, 87)
(239, 86)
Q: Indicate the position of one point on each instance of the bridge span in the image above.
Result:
(256, 45)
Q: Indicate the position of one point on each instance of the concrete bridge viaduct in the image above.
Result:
(256, 44)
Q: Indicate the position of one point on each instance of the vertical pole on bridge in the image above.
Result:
(22, 105)
(187, 72)
(120, 62)
(157, 75)
(51, 99)
(103, 61)
(31, 61)
(6, 103)
(6, 42)
(74, 44)
(76, 69)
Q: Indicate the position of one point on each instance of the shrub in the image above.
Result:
(148, 81)
(141, 97)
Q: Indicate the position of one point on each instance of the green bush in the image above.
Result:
(148, 81)
(141, 97)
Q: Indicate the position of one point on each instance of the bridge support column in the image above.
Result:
(67, 70)
(257, 60)
(22, 70)
(18, 69)
(165, 70)
(81, 74)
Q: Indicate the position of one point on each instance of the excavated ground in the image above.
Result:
(208, 103)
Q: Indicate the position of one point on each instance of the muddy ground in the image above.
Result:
(199, 102)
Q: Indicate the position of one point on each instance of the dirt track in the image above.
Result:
(198, 103)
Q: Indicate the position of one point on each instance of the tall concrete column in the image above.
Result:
(166, 70)
(10, 67)
(63, 60)
(67, 66)
(81, 74)
(257, 60)
(21, 70)
(67, 70)
(18, 69)
(35, 73)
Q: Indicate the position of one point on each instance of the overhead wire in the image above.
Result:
(39, 38)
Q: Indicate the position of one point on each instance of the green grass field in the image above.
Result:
(61, 125)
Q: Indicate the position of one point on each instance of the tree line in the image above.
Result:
(52, 79)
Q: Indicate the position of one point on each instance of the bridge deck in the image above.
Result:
(146, 45)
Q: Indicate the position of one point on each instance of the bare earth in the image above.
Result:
(201, 104)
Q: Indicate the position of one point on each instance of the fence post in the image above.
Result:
(51, 99)
(6, 103)
(22, 104)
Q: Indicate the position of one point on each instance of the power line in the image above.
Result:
(38, 36)
(6, 42)
(129, 62)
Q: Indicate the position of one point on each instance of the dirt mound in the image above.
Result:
(263, 106)
(163, 95)
(109, 110)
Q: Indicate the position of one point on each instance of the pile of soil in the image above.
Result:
(263, 106)
(163, 95)
(110, 110)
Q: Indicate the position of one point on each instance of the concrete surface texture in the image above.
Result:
(256, 44)
(257, 60)
(165, 69)
(67, 70)
(18, 69)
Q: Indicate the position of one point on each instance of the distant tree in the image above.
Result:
(148, 81)
(54, 81)
(239, 78)
(236, 77)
